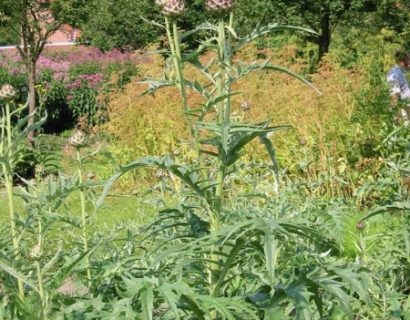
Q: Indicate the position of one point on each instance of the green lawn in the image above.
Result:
(127, 209)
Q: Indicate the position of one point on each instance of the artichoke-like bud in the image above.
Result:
(7, 92)
(360, 226)
(220, 5)
(35, 252)
(77, 140)
(245, 105)
(172, 7)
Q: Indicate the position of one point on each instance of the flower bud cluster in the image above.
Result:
(176, 7)
(220, 5)
(171, 7)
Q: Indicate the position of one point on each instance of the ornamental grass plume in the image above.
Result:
(7, 92)
(220, 5)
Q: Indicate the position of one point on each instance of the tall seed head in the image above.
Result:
(7, 92)
(220, 5)
(172, 7)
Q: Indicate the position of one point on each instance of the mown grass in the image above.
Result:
(127, 209)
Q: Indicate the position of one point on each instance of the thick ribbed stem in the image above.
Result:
(228, 56)
(43, 296)
(37, 255)
(215, 217)
(42, 292)
(179, 72)
(175, 46)
(84, 215)
(222, 122)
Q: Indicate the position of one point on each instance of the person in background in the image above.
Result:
(399, 86)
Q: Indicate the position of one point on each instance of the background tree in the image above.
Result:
(33, 22)
(7, 38)
(393, 15)
(320, 15)
(118, 24)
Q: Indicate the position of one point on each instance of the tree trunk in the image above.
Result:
(32, 98)
(325, 35)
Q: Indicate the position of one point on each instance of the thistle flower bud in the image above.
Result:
(172, 7)
(160, 174)
(220, 5)
(77, 139)
(90, 176)
(245, 105)
(35, 252)
(7, 92)
(360, 226)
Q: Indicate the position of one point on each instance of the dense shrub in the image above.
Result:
(72, 84)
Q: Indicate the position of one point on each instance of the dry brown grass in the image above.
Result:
(153, 125)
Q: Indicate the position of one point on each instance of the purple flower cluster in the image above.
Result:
(82, 55)
(11, 61)
(60, 70)
(60, 63)
(92, 81)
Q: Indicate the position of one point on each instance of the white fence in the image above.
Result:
(55, 44)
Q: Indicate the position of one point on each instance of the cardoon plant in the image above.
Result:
(7, 143)
(12, 145)
(195, 266)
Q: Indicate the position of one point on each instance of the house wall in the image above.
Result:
(64, 37)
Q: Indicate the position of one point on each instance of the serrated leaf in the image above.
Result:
(17, 274)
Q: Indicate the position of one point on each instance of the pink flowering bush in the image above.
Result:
(74, 80)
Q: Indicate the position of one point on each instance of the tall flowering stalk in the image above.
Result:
(77, 140)
(172, 9)
(7, 94)
(223, 87)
